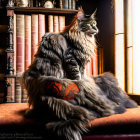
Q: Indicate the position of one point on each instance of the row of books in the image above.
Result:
(28, 32)
(67, 4)
(63, 4)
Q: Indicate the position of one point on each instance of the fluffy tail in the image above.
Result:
(109, 85)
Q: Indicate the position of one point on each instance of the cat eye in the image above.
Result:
(94, 22)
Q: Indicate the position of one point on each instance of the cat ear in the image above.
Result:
(80, 14)
(94, 13)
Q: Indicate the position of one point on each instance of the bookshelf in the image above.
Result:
(26, 17)
(14, 15)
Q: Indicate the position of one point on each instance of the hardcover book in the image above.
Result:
(55, 24)
(89, 69)
(34, 35)
(94, 63)
(61, 23)
(10, 90)
(20, 46)
(27, 41)
(18, 92)
(20, 43)
(41, 26)
(66, 4)
(73, 5)
(69, 4)
(50, 23)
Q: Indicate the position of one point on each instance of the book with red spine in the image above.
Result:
(61, 23)
(10, 90)
(34, 35)
(94, 63)
(61, 4)
(50, 23)
(89, 69)
(41, 26)
(55, 24)
(27, 41)
(20, 46)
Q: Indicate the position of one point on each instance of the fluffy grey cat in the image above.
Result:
(58, 88)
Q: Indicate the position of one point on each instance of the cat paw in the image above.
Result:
(108, 113)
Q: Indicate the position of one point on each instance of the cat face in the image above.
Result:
(87, 23)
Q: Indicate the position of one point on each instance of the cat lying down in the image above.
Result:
(58, 89)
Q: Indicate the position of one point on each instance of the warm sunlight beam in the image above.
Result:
(129, 48)
(119, 42)
(136, 46)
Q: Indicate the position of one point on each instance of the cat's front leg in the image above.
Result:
(71, 68)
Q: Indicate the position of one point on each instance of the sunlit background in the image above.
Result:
(127, 44)
(136, 45)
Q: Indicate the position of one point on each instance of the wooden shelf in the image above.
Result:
(42, 10)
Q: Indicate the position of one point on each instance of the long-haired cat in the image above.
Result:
(58, 88)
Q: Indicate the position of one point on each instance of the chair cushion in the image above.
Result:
(12, 120)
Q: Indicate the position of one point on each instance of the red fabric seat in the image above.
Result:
(12, 122)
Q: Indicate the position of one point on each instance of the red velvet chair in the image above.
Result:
(115, 127)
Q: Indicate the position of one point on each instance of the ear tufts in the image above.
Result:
(80, 14)
(94, 13)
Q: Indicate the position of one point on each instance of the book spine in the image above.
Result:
(50, 23)
(95, 64)
(61, 4)
(61, 23)
(88, 69)
(34, 35)
(37, 4)
(10, 90)
(27, 41)
(66, 4)
(30, 3)
(55, 25)
(24, 95)
(20, 43)
(20, 40)
(41, 26)
(18, 92)
(69, 4)
(73, 5)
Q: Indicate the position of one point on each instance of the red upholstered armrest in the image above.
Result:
(12, 118)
